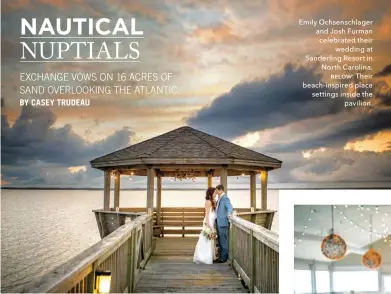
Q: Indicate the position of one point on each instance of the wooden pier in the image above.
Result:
(138, 251)
(137, 262)
(171, 269)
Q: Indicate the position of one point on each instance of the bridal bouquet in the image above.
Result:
(209, 233)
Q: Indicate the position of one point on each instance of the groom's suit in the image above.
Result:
(223, 208)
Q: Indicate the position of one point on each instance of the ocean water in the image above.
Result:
(41, 229)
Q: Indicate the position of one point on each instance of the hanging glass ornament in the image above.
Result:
(333, 247)
(371, 259)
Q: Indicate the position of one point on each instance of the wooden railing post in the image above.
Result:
(130, 261)
(91, 280)
(232, 241)
(134, 260)
(230, 237)
(151, 230)
(252, 262)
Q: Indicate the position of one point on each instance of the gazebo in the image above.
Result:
(182, 153)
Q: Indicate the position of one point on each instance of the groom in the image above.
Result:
(223, 209)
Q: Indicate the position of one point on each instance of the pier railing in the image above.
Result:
(122, 255)
(182, 221)
(108, 221)
(262, 218)
(254, 255)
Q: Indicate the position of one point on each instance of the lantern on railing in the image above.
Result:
(102, 282)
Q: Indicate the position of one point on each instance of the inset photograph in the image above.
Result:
(342, 249)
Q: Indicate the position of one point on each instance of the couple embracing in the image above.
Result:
(215, 226)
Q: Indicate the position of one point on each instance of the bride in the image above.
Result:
(205, 249)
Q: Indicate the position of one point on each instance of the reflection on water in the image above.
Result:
(42, 229)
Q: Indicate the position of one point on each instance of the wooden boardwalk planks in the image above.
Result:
(171, 269)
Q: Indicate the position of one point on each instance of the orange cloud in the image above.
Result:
(75, 169)
(248, 140)
(180, 53)
(216, 34)
(9, 6)
(294, 8)
(360, 8)
(142, 9)
(309, 8)
(383, 29)
(60, 4)
(378, 143)
(55, 3)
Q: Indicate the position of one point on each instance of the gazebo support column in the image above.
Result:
(158, 199)
(117, 180)
(209, 180)
(106, 190)
(253, 192)
(223, 177)
(150, 188)
(263, 177)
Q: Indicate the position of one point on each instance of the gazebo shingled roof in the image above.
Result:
(184, 153)
(188, 144)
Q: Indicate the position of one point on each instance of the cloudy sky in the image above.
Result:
(239, 66)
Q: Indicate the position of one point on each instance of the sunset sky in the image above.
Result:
(239, 66)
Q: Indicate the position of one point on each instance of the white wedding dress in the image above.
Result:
(205, 249)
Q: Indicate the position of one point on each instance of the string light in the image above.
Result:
(306, 225)
(368, 230)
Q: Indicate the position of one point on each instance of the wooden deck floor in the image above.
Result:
(171, 269)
